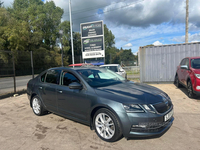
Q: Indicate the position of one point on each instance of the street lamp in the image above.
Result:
(61, 34)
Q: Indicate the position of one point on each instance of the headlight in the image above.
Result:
(133, 108)
(149, 108)
(197, 75)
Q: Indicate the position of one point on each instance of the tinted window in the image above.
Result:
(68, 78)
(53, 76)
(43, 77)
(195, 63)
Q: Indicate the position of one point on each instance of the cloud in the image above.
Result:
(157, 43)
(128, 45)
(192, 38)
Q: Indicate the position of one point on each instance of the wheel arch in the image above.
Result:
(32, 95)
(96, 108)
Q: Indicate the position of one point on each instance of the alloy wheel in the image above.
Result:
(105, 125)
(36, 106)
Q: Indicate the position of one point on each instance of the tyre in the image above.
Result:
(107, 125)
(190, 90)
(177, 83)
(37, 106)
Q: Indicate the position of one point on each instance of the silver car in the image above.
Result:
(115, 68)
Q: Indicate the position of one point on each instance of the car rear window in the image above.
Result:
(53, 76)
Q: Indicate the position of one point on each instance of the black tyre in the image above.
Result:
(107, 125)
(37, 106)
(190, 90)
(177, 83)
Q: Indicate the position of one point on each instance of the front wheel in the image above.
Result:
(190, 90)
(107, 125)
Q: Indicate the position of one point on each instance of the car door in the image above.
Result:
(180, 71)
(72, 102)
(47, 89)
(185, 72)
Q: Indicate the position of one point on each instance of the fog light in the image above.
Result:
(198, 87)
(139, 126)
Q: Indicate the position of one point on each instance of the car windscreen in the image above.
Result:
(100, 77)
(195, 63)
(113, 68)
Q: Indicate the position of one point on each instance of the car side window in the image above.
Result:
(187, 62)
(53, 76)
(182, 62)
(68, 78)
(43, 77)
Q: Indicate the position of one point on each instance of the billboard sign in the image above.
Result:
(92, 40)
(92, 29)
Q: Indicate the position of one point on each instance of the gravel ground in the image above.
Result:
(20, 129)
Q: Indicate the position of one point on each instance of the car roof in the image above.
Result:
(194, 57)
(110, 65)
(77, 68)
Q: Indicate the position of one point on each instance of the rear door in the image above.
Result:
(47, 89)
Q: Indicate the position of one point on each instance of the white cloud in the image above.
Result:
(192, 38)
(128, 45)
(157, 43)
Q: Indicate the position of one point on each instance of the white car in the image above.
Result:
(115, 68)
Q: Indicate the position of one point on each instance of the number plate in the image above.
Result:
(169, 115)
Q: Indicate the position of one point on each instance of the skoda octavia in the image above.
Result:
(105, 101)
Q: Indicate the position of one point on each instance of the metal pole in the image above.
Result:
(72, 46)
(186, 22)
(32, 64)
(14, 73)
(62, 52)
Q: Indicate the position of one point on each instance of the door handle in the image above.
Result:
(59, 91)
(40, 88)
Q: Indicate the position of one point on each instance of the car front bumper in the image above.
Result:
(149, 124)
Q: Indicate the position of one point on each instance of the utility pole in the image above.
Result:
(186, 21)
(72, 46)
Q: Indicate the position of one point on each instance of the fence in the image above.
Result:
(17, 68)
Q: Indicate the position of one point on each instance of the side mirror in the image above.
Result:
(121, 70)
(75, 85)
(184, 67)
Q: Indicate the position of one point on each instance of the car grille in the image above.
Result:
(162, 107)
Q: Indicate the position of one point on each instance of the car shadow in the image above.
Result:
(184, 90)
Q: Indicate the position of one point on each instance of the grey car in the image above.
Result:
(111, 105)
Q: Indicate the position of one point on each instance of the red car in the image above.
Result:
(188, 75)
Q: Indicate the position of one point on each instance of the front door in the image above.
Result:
(72, 102)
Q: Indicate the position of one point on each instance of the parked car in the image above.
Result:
(80, 65)
(188, 75)
(98, 97)
(116, 68)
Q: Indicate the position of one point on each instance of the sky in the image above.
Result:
(136, 23)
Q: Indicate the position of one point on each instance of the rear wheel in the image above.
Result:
(37, 106)
(190, 90)
(177, 83)
(107, 125)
